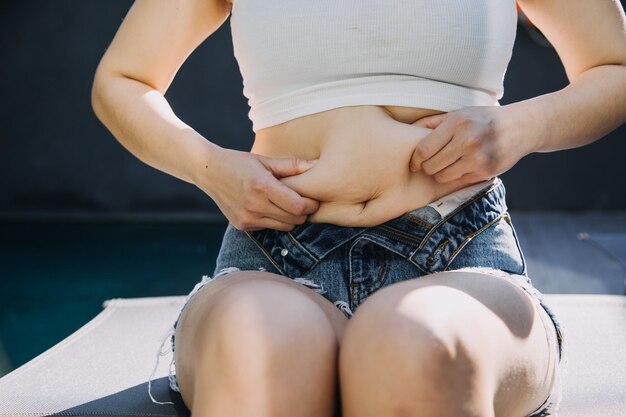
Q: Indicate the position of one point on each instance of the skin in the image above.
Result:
(426, 362)
(362, 176)
(262, 188)
(479, 142)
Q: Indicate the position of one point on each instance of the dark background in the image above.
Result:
(56, 157)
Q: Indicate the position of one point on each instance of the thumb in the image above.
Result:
(430, 122)
(285, 167)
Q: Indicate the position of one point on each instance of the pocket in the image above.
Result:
(238, 250)
(507, 218)
(496, 246)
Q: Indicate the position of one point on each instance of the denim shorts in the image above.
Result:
(348, 264)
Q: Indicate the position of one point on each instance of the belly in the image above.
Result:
(362, 176)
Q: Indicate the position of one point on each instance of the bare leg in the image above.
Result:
(449, 344)
(258, 344)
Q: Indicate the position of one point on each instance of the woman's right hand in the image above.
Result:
(246, 189)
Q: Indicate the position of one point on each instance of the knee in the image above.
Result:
(269, 319)
(260, 339)
(421, 350)
(387, 341)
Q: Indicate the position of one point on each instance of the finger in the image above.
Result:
(284, 167)
(273, 211)
(444, 158)
(289, 200)
(302, 183)
(317, 184)
(269, 223)
(452, 172)
(430, 144)
(430, 122)
(311, 205)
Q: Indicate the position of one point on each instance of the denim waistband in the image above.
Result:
(422, 236)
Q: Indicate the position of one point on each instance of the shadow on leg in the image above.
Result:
(448, 344)
(257, 344)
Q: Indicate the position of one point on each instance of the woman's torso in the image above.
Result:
(364, 154)
(312, 71)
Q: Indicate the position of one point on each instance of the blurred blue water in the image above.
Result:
(55, 276)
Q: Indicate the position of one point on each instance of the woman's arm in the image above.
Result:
(155, 38)
(478, 143)
(152, 43)
(590, 38)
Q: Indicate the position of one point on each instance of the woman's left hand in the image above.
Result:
(472, 143)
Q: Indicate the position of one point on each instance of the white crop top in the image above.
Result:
(299, 57)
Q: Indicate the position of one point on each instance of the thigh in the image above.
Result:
(251, 252)
(203, 301)
(196, 318)
(496, 323)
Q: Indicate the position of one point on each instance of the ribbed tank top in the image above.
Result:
(299, 57)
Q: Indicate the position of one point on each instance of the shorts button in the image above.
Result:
(284, 252)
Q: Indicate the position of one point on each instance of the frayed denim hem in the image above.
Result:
(341, 305)
(169, 335)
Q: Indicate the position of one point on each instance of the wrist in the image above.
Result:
(204, 161)
(523, 127)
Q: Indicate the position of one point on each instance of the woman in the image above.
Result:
(370, 266)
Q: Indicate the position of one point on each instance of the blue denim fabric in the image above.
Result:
(348, 264)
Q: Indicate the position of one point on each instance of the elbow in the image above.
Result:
(101, 88)
(96, 94)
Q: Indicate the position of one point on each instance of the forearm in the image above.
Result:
(140, 118)
(587, 109)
